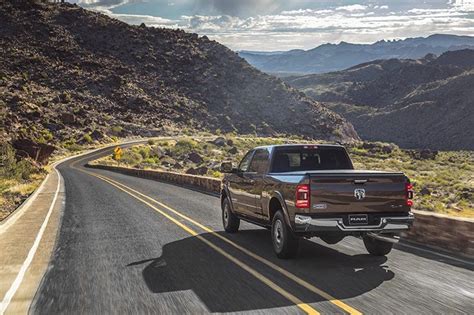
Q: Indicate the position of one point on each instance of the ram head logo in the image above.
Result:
(359, 193)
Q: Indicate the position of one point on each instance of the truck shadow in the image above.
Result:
(223, 286)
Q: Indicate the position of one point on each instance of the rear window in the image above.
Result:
(294, 159)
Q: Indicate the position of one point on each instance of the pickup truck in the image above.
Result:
(303, 190)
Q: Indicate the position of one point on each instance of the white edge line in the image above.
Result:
(12, 218)
(24, 267)
(29, 258)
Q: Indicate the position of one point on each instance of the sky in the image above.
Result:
(276, 25)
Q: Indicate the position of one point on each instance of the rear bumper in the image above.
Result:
(387, 224)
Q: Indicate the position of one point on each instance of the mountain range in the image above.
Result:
(333, 57)
(423, 103)
(68, 74)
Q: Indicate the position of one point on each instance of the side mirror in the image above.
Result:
(226, 167)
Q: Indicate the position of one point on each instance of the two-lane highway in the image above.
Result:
(131, 245)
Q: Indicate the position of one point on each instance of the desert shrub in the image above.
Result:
(72, 146)
(184, 146)
(131, 158)
(11, 168)
(150, 161)
(116, 130)
(24, 169)
(7, 160)
(216, 174)
(88, 138)
(151, 142)
(144, 152)
(45, 136)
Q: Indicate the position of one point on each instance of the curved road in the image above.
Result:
(131, 245)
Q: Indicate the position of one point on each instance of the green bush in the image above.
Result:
(130, 157)
(116, 130)
(88, 138)
(144, 152)
(24, 169)
(185, 146)
(11, 168)
(7, 160)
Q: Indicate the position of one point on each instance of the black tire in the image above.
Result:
(229, 219)
(285, 243)
(377, 247)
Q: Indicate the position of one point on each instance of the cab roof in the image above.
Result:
(274, 146)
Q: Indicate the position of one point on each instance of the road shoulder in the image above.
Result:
(18, 239)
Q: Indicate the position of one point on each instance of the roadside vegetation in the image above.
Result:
(20, 176)
(18, 179)
(443, 181)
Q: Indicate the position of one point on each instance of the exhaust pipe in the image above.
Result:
(385, 237)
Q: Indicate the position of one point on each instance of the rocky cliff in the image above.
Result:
(68, 74)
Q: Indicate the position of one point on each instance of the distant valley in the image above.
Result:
(423, 103)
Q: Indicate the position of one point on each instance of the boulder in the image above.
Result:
(425, 191)
(191, 171)
(97, 135)
(68, 118)
(168, 162)
(201, 170)
(195, 158)
(158, 152)
(428, 154)
(466, 193)
(219, 141)
(40, 152)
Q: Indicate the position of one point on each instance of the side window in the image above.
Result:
(259, 162)
(244, 164)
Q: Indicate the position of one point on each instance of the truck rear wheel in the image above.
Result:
(230, 221)
(285, 244)
(377, 247)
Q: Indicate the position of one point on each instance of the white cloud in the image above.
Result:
(352, 7)
(307, 28)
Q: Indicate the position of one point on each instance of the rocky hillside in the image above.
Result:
(333, 57)
(70, 75)
(424, 103)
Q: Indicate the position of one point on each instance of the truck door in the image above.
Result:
(258, 168)
(240, 185)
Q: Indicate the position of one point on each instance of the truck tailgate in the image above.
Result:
(357, 192)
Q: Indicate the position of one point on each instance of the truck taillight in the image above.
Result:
(302, 196)
(409, 194)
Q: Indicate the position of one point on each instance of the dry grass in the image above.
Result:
(14, 191)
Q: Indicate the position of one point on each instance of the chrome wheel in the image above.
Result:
(226, 215)
(278, 233)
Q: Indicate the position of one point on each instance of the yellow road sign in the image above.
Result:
(117, 155)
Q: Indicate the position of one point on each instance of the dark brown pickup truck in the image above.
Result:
(313, 190)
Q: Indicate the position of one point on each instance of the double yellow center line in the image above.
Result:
(303, 306)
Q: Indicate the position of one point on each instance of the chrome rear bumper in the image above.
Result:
(386, 224)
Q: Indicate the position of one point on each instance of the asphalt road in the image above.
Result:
(119, 254)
